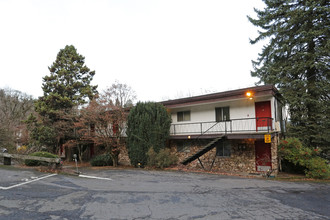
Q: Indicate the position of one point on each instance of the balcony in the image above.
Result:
(242, 125)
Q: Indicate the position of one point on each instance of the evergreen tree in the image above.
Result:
(41, 134)
(296, 60)
(148, 126)
(66, 88)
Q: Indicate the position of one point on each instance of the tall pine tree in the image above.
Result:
(67, 87)
(296, 60)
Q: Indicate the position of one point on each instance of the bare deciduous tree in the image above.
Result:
(15, 107)
(101, 124)
(119, 94)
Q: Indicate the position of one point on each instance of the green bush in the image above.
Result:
(148, 124)
(317, 168)
(29, 162)
(152, 158)
(162, 159)
(101, 160)
(289, 167)
(314, 166)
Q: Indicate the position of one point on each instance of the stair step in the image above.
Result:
(206, 149)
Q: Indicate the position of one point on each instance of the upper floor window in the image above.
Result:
(222, 114)
(183, 116)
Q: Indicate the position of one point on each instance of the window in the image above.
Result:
(184, 116)
(223, 149)
(222, 114)
(183, 146)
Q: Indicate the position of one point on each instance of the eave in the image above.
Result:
(258, 91)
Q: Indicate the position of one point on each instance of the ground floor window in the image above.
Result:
(183, 146)
(224, 149)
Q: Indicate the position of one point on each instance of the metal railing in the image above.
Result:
(261, 124)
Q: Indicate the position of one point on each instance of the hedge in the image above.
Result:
(29, 162)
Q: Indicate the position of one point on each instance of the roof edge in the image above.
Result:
(257, 90)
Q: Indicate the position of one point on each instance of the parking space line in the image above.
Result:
(95, 177)
(20, 184)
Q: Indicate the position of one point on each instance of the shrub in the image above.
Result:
(314, 166)
(162, 159)
(148, 125)
(152, 160)
(29, 162)
(317, 168)
(289, 167)
(101, 160)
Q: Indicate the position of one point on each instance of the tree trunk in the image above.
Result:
(114, 157)
(115, 161)
(79, 152)
(312, 96)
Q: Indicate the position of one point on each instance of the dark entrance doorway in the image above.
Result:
(263, 156)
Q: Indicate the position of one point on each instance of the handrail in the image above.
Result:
(208, 130)
(236, 119)
(234, 125)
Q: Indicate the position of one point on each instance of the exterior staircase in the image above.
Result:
(204, 150)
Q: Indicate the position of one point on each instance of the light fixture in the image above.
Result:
(249, 94)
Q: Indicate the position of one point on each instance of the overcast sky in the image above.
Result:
(162, 49)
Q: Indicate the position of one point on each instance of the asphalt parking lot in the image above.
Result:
(143, 194)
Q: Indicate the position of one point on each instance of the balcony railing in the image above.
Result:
(242, 125)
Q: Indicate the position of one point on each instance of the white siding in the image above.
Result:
(238, 109)
(202, 116)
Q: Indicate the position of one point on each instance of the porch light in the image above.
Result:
(249, 95)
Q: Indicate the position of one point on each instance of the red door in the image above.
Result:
(263, 156)
(263, 116)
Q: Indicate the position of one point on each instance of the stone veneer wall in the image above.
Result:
(274, 146)
(123, 158)
(242, 158)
